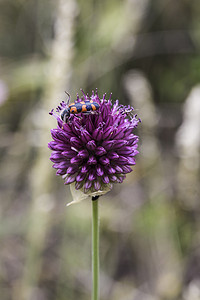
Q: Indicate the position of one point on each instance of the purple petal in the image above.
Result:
(92, 160)
(105, 112)
(56, 160)
(76, 160)
(132, 138)
(69, 154)
(99, 118)
(99, 170)
(121, 121)
(134, 146)
(105, 179)
(75, 125)
(131, 161)
(110, 170)
(52, 145)
(118, 169)
(127, 169)
(91, 145)
(80, 177)
(75, 142)
(120, 143)
(61, 172)
(61, 165)
(72, 169)
(135, 152)
(60, 135)
(66, 128)
(97, 134)
(104, 160)
(100, 151)
(90, 126)
(56, 155)
(122, 159)
(109, 121)
(107, 132)
(108, 144)
(70, 179)
(113, 178)
(85, 169)
(118, 134)
(134, 143)
(62, 147)
(121, 179)
(60, 122)
(112, 155)
(78, 185)
(83, 153)
(87, 185)
(129, 130)
(126, 150)
(85, 136)
(91, 176)
(97, 185)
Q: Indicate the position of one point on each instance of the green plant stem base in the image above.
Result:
(95, 249)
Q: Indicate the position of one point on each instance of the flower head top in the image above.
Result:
(93, 150)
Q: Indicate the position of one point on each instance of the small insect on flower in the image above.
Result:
(87, 107)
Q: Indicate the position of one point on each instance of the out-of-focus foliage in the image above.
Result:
(147, 54)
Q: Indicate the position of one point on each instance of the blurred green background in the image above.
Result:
(147, 54)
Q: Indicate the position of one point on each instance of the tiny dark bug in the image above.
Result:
(86, 107)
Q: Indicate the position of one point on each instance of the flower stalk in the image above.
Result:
(95, 248)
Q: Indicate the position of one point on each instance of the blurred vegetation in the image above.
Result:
(147, 54)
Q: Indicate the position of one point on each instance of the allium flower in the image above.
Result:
(94, 150)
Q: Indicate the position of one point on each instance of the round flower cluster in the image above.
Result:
(97, 149)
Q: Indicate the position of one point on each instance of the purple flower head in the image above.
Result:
(93, 150)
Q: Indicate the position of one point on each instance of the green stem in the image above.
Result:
(95, 249)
